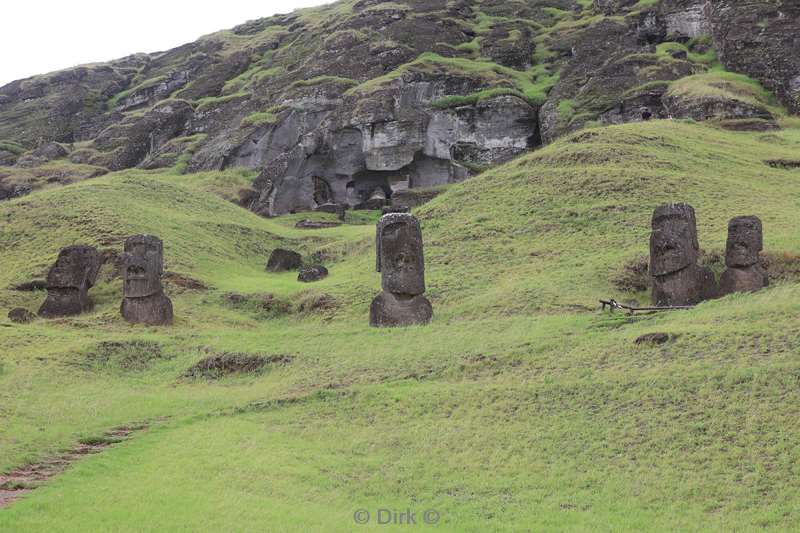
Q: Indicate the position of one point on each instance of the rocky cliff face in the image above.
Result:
(338, 103)
(760, 39)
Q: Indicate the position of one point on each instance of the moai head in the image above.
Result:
(76, 268)
(673, 242)
(399, 254)
(143, 266)
(745, 241)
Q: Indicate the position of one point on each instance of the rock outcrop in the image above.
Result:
(335, 146)
(281, 260)
(760, 38)
(312, 273)
(358, 99)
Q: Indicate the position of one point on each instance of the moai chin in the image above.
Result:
(401, 262)
(144, 301)
(69, 280)
(674, 249)
(745, 243)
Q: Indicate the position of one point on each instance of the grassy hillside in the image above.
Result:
(522, 407)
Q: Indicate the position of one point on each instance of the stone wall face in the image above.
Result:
(393, 95)
(345, 141)
(761, 39)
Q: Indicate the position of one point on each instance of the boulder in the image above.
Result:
(654, 338)
(21, 316)
(316, 224)
(47, 152)
(312, 273)
(11, 191)
(281, 260)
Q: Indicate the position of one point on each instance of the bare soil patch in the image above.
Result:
(25, 479)
(227, 364)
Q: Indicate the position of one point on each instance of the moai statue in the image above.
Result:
(745, 242)
(69, 280)
(674, 248)
(144, 301)
(402, 266)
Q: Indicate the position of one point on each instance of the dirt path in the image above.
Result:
(30, 477)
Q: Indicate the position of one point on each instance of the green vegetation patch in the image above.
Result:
(129, 355)
(226, 364)
(11, 146)
(533, 89)
(521, 396)
(260, 119)
(471, 99)
(725, 85)
(210, 102)
(322, 80)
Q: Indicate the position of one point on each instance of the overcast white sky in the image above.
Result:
(40, 36)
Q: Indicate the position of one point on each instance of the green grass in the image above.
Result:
(521, 407)
(253, 75)
(474, 98)
(210, 102)
(531, 86)
(260, 119)
(48, 175)
(10, 146)
(728, 86)
(320, 80)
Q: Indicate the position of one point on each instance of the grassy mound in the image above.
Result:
(521, 406)
(724, 85)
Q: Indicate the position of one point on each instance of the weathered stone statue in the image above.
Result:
(745, 242)
(144, 301)
(281, 260)
(401, 263)
(69, 280)
(674, 248)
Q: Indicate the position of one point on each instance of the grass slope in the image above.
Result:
(520, 408)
